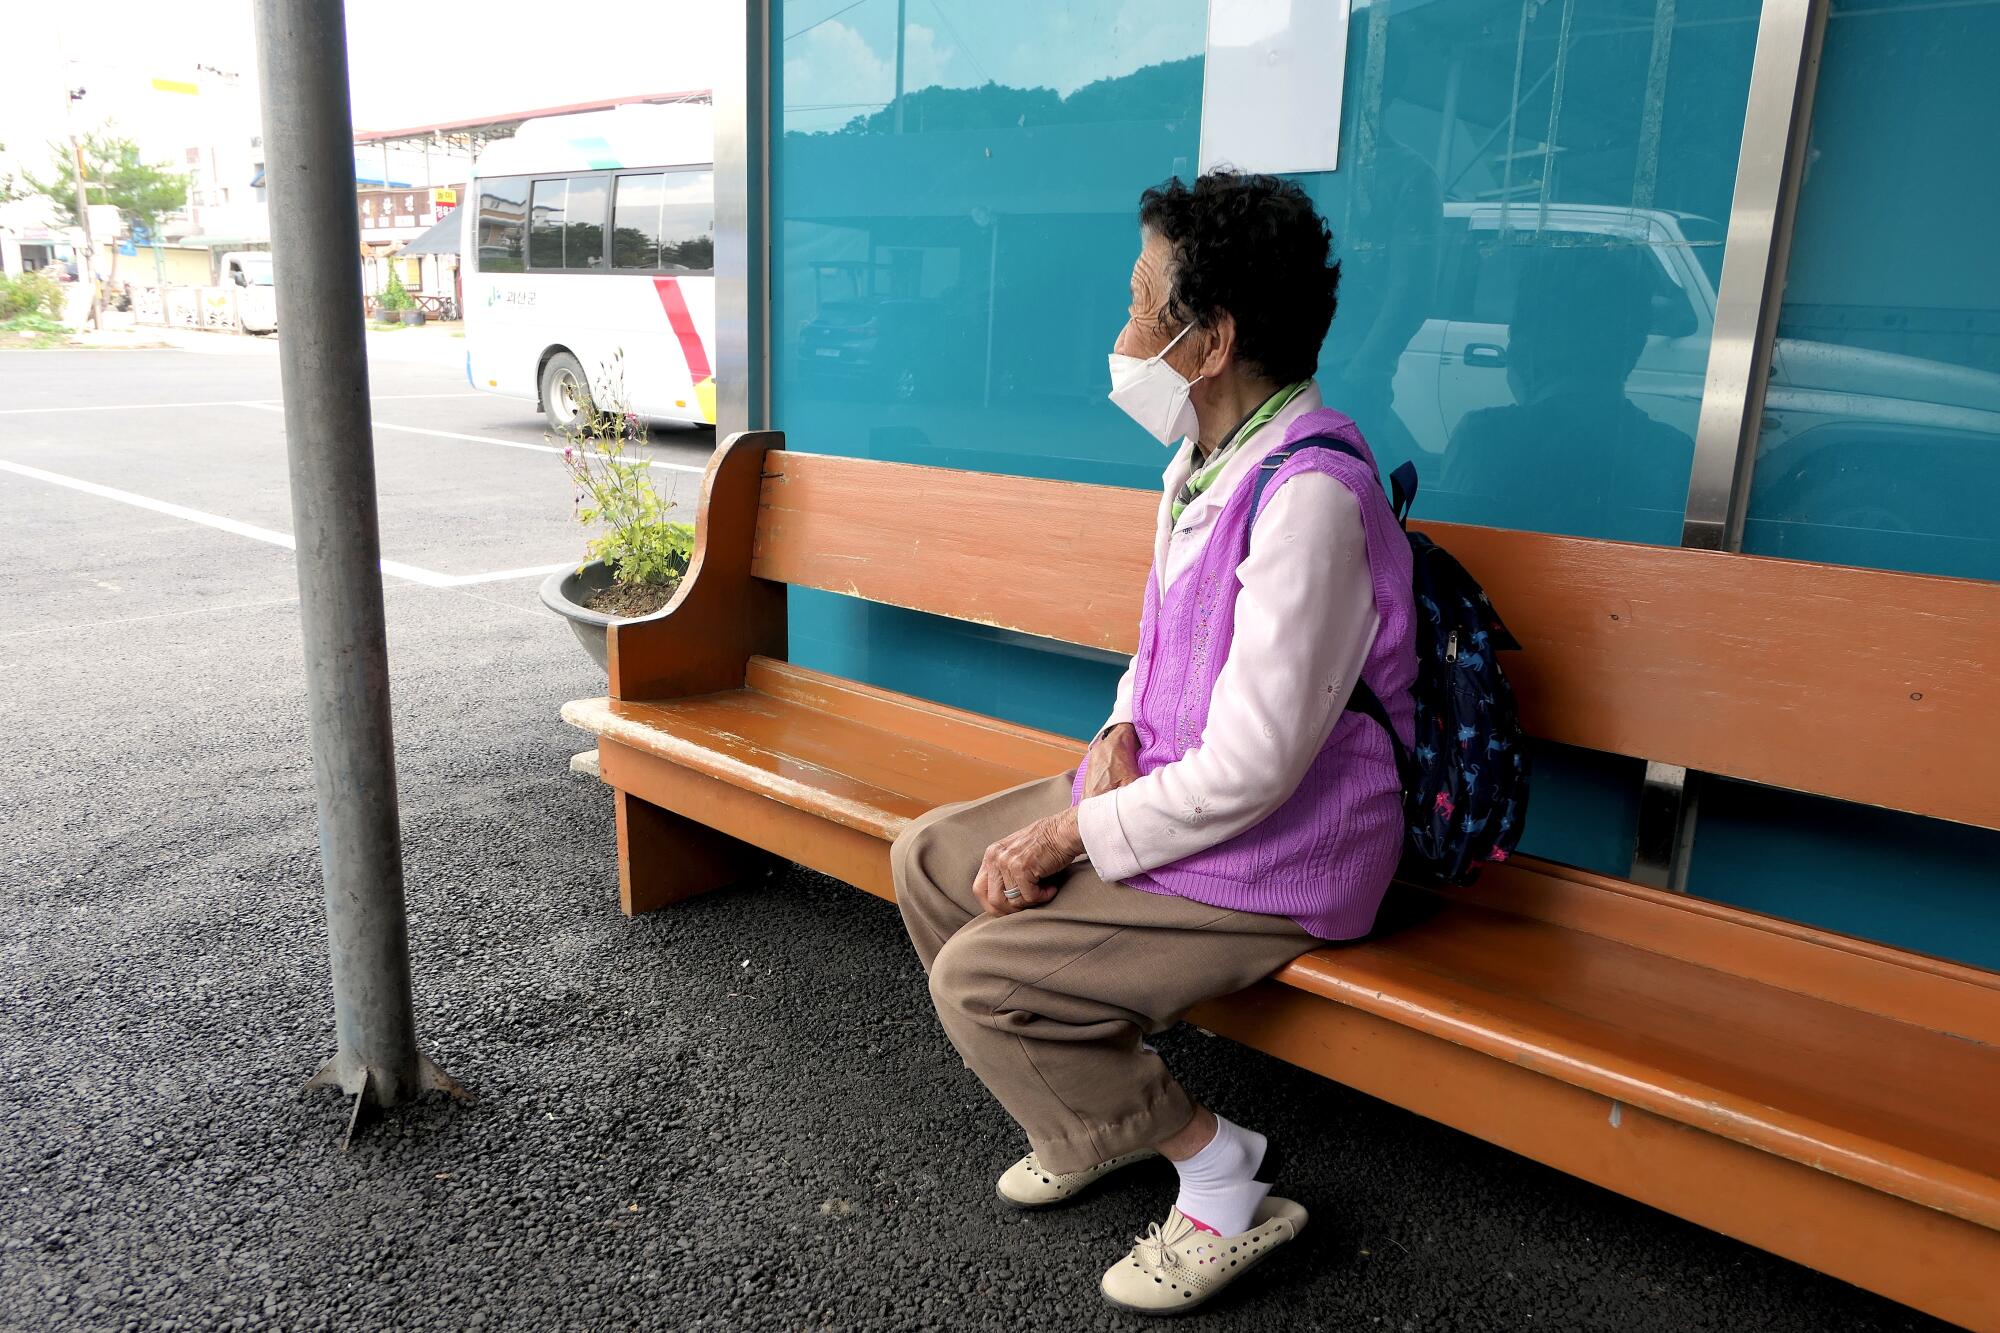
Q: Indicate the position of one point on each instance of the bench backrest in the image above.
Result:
(1859, 684)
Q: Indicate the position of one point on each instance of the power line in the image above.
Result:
(828, 19)
(963, 45)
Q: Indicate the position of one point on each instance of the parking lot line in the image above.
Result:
(266, 403)
(477, 439)
(120, 407)
(270, 536)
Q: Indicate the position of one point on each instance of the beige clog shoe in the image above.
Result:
(1029, 1184)
(1177, 1266)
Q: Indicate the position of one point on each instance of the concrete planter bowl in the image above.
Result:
(565, 591)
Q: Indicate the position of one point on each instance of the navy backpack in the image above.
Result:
(1465, 780)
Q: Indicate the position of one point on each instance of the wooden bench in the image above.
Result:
(1829, 1099)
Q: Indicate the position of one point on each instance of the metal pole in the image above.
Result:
(316, 243)
(902, 30)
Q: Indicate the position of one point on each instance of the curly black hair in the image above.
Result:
(1254, 246)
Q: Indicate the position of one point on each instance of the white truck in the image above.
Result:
(249, 273)
(1852, 437)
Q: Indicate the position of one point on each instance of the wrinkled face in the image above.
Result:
(1148, 327)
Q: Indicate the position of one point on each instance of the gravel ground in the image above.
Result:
(738, 1114)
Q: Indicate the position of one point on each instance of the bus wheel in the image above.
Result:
(565, 393)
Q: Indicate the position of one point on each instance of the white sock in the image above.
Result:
(1219, 1185)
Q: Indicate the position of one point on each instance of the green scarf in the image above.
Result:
(1204, 477)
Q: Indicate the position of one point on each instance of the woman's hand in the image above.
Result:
(1021, 861)
(1113, 760)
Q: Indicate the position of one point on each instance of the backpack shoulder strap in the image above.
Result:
(1362, 700)
(1403, 492)
(1277, 458)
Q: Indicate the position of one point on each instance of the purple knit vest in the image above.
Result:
(1324, 858)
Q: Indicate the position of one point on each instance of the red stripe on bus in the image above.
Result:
(677, 315)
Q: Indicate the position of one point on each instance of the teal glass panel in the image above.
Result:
(1914, 883)
(952, 266)
(950, 269)
(1583, 807)
(1881, 432)
(1530, 211)
(1880, 442)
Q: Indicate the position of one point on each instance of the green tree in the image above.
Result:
(9, 190)
(114, 174)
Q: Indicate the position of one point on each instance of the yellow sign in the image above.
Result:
(445, 196)
(175, 86)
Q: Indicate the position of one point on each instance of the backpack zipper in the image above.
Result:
(1451, 647)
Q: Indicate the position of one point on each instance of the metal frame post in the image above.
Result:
(1777, 119)
(1777, 123)
(742, 100)
(316, 247)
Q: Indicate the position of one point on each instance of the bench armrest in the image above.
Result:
(722, 616)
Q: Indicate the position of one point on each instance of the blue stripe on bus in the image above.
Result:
(598, 150)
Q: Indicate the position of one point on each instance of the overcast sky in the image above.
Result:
(416, 62)
(410, 64)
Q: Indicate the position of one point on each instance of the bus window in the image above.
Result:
(545, 224)
(687, 222)
(583, 230)
(665, 223)
(635, 238)
(503, 213)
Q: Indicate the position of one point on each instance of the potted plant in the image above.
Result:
(393, 305)
(640, 556)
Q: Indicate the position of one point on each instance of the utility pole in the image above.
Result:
(315, 238)
(85, 271)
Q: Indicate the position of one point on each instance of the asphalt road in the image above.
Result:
(738, 1114)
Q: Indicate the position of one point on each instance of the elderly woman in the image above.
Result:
(1232, 812)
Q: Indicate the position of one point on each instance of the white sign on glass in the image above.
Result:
(1271, 87)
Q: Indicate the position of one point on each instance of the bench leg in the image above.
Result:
(664, 858)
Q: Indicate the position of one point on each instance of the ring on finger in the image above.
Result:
(1011, 895)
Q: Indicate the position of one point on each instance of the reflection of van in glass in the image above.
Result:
(249, 272)
(1457, 363)
(1851, 436)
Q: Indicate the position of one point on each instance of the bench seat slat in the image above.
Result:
(1930, 992)
(1004, 743)
(1889, 1104)
(864, 777)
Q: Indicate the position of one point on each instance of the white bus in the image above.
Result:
(589, 249)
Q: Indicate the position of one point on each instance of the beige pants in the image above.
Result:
(1050, 1006)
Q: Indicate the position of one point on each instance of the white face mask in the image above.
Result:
(1154, 394)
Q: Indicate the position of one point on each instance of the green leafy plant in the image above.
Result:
(395, 296)
(639, 544)
(30, 294)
